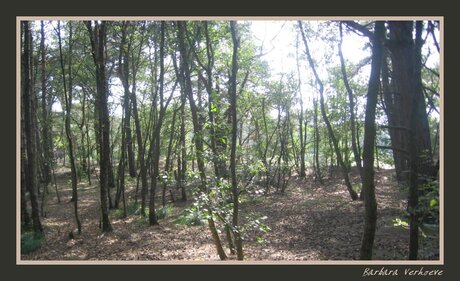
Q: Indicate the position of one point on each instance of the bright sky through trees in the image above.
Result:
(276, 40)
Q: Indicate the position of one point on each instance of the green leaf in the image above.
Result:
(433, 202)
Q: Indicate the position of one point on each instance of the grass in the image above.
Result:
(30, 242)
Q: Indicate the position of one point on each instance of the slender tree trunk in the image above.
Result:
(302, 134)
(353, 194)
(156, 142)
(233, 102)
(25, 217)
(316, 165)
(351, 104)
(168, 166)
(140, 152)
(198, 131)
(370, 203)
(29, 114)
(68, 112)
(98, 37)
(45, 119)
(183, 152)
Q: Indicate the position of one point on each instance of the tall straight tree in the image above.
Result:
(97, 36)
(406, 64)
(29, 115)
(68, 111)
(123, 71)
(137, 123)
(47, 156)
(233, 104)
(370, 203)
(335, 144)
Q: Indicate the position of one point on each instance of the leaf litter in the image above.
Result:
(308, 222)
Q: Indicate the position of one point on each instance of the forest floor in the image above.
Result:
(307, 222)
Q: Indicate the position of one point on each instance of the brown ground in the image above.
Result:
(307, 222)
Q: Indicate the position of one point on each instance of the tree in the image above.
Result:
(302, 126)
(351, 104)
(45, 112)
(233, 104)
(97, 35)
(368, 189)
(353, 194)
(406, 65)
(68, 112)
(29, 128)
(156, 137)
(198, 131)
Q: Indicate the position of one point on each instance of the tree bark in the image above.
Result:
(29, 114)
(97, 38)
(316, 163)
(368, 189)
(25, 217)
(45, 119)
(233, 102)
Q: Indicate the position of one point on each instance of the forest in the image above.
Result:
(246, 140)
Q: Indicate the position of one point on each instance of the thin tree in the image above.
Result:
(68, 112)
(332, 137)
(198, 130)
(302, 126)
(47, 157)
(97, 36)
(370, 203)
(233, 104)
(351, 104)
(156, 137)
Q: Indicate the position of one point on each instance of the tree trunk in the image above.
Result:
(25, 217)
(29, 114)
(156, 139)
(353, 194)
(406, 62)
(45, 119)
(197, 130)
(351, 104)
(392, 108)
(302, 132)
(233, 101)
(316, 164)
(97, 37)
(368, 189)
(68, 111)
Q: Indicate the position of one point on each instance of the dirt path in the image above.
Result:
(308, 222)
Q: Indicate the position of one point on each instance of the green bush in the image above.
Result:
(189, 218)
(30, 242)
(164, 212)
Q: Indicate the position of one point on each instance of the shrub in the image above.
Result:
(30, 242)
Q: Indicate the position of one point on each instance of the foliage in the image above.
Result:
(164, 212)
(30, 242)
